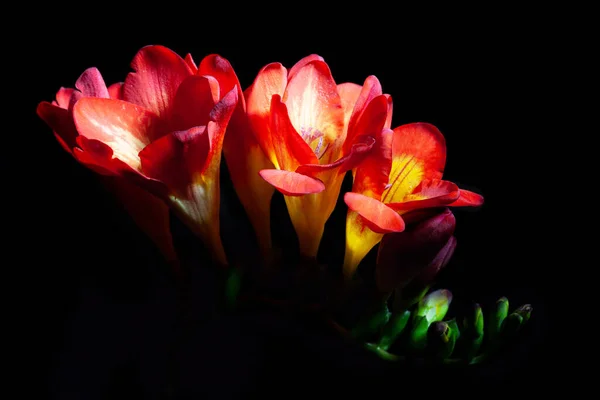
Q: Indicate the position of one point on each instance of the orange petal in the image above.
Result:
(124, 127)
(158, 73)
(467, 199)
(315, 107)
(290, 150)
(377, 216)
(292, 183)
(349, 93)
(219, 68)
(271, 80)
(429, 193)
(418, 153)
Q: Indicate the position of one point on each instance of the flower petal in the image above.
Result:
(349, 93)
(63, 97)
(290, 150)
(190, 62)
(360, 239)
(378, 217)
(218, 67)
(271, 80)
(158, 73)
(193, 102)
(315, 108)
(292, 183)
(418, 153)
(60, 121)
(372, 174)
(91, 84)
(429, 193)
(116, 91)
(124, 127)
(429, 273)
(302, 63)
(370, 89)
(402, 256)
(467, 198)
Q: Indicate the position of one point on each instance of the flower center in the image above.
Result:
(315, 139)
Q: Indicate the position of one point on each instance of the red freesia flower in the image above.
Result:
(165, 134)
(148, 212)
(415, 183)
(313, 131)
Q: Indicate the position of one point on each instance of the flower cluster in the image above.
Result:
(158, 139)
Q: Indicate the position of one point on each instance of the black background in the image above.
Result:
(102, 301)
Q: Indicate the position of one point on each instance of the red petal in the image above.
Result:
(402, 256)
(123, 126)
(193, 102)
(158, 73)
(63, 97)
(372, 174)
(91, 84)
(271, 80)
(292, 183)
(424, 142)
(116, 91)
(314, 106)
(430, 193)
(61, 123)
(173, 158)
(467, 199)
(370, 89)
(190, 62)
(377, 216)
(302, 63)
(219, 68)
(290, 150)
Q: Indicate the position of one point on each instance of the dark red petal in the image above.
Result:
(292, 183)
(193, 102)
(467, 199)
(61, 123)
(402, 256)
(429, 193)
(376, 215)
(91, 84)
(428, 274)
(158, 74)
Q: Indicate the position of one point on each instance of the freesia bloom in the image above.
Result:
(148, 212)
(417, 165)
(416, 255)
(313, 131)
(165, 134)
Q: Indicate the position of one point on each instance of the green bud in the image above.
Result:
(418, 333)
(232, 286)
(497, 317)
(393, 329)
(525, 312)
(513, 323)
(441, 338)
(434, 306)
(473, 332)
(372, 323)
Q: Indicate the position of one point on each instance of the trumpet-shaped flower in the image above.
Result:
(313, 131)
(414, 183)
(165, 134)
(149, 212)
